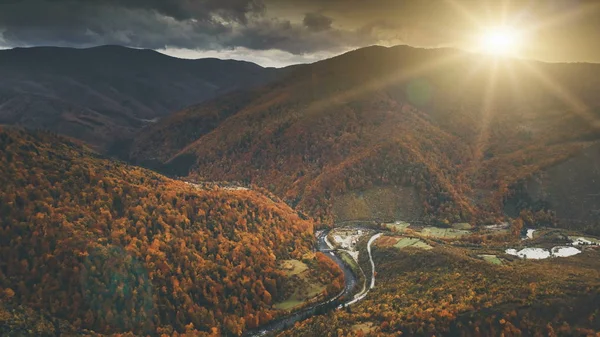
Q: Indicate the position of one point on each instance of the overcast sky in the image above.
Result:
(281, 32)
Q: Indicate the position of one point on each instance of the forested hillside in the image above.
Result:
(154, 146)
(113, 248)
(466, 132)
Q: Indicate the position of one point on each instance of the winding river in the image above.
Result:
(350, 279)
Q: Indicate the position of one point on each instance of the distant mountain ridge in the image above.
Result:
(107, 93)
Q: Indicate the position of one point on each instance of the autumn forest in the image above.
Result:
(382, 192)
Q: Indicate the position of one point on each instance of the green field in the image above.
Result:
(289, 304)
(349, 261)
(411, 242)
(493, 259)
(463, 226)
(399, 226)
(293, 267)
(305, 289)
(444, 233)
(300, 296)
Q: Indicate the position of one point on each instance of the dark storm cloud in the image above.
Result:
(156, 24)
(138, 23)
(284, 35)
(26, 10)
(296, 26)
(317, 22)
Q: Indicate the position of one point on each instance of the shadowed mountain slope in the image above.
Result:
(107, 93)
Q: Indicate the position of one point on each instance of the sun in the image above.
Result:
(500, 41)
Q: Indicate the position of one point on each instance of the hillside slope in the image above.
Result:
(463, 131)
(104, 94)
(113, 248)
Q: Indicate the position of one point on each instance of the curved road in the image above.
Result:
(365, 291)
(350, 279)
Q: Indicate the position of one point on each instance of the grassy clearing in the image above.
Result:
(348, 259)
(411, 242)
(444, 233)
(305, 287)
(493, 259)
(300, 296)
(350, 262)
(288, 304)
(458, 230)
(462, 226)
(398, 226)
(293, 267)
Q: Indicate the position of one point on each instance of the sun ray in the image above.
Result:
(513, 80)
(398, 76)
(575, 104)
(474, 69)
(564, 17)
(486, 118)
(465, 13)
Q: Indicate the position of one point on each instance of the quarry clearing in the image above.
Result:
(347, 239)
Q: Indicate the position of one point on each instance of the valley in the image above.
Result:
(382, 192)
(398, 236)
(439, 257)
(350, 295)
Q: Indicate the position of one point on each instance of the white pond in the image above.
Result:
(530, 253)
(541, 253)
(565, 251)
(558, 251)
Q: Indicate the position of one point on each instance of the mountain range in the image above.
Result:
(445, 135)
(104, 95)
(438, 135)
(147, 195)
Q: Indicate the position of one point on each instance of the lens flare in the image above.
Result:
(500, 41)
